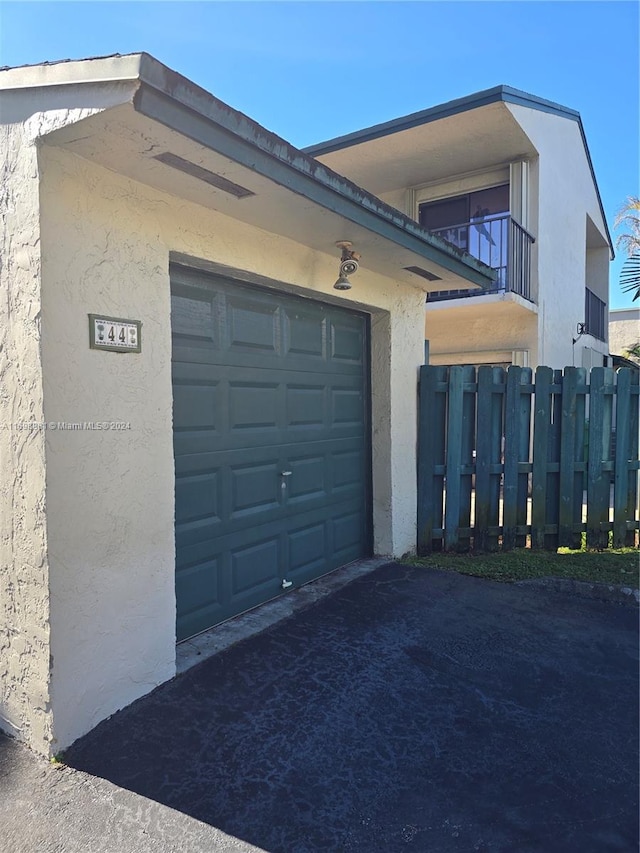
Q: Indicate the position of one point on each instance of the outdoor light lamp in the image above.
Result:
(348, 265)
(342, 283)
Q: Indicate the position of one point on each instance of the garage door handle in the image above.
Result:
(286, 473)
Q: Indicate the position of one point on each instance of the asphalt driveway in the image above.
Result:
(412, 710)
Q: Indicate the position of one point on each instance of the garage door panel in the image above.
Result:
(252, 325)
(255, 488)
(308, 549)
(347, 533)
(196, 405)
(254, 405)
(346, 407)
(198, 496)
(346, 342)
(347, 469)
(306, 405)
(308, 479)
(192, 317)
(192, 538)
(264, 384)
(255, 566)
(305, 334)
(198, 588)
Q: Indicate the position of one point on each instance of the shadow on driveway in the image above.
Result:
(413, 710)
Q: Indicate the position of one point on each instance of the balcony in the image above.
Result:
(501, 243)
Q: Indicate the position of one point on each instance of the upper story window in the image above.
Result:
(462, 209)
(476, 222)
(595, 311)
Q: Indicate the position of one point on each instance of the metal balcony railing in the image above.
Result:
(502, 244)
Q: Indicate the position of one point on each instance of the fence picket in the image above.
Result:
(469, 393)
(567, 458)
(632, 455)
(431, 443)
(511, 449)
(524, 428)
(541, 437)
(488, 454)
(580, 470)
(454, 458)
(621, 471)
(598, 478)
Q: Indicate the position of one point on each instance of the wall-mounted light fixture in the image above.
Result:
(581, 329)
(348, 265)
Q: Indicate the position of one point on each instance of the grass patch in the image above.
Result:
(620, 566)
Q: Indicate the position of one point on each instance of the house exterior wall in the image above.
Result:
(25, 709)
(24, 600)
(566, 197)
(110, 496)
(481, 330)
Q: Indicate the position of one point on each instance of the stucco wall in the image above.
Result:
(24, 570)
(481, 329)
(106, 243)
(624, 329)
(566, 198)
(24, 605)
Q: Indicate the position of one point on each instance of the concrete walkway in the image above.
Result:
(413, 710)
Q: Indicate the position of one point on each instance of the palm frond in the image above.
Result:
(628, 217)
(630, 276)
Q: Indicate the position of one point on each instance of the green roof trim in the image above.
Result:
(176, 102)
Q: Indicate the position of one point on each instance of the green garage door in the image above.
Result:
(271, 444)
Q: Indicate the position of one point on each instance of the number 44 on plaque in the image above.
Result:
(114, 334)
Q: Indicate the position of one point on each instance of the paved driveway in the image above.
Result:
(413, 710)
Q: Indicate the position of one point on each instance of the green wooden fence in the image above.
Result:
(507, 460)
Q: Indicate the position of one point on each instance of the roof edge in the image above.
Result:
(114, 68)
(290, 166)
(494, 95)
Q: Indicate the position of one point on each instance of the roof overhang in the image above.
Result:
(172, 135)
(468, 134)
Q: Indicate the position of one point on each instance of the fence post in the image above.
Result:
(431, 435)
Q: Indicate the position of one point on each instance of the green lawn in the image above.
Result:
(614, 566)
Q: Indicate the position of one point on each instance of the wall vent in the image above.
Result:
(202, 174)
(424, 273)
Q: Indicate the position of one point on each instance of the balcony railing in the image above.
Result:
(499, 242)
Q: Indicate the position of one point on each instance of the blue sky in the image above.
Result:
(313, 70)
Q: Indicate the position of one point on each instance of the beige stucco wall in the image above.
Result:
(482, 329)
(566, 197)
(105, 245)
(624, 329)
(24, 605)
(25, 708)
